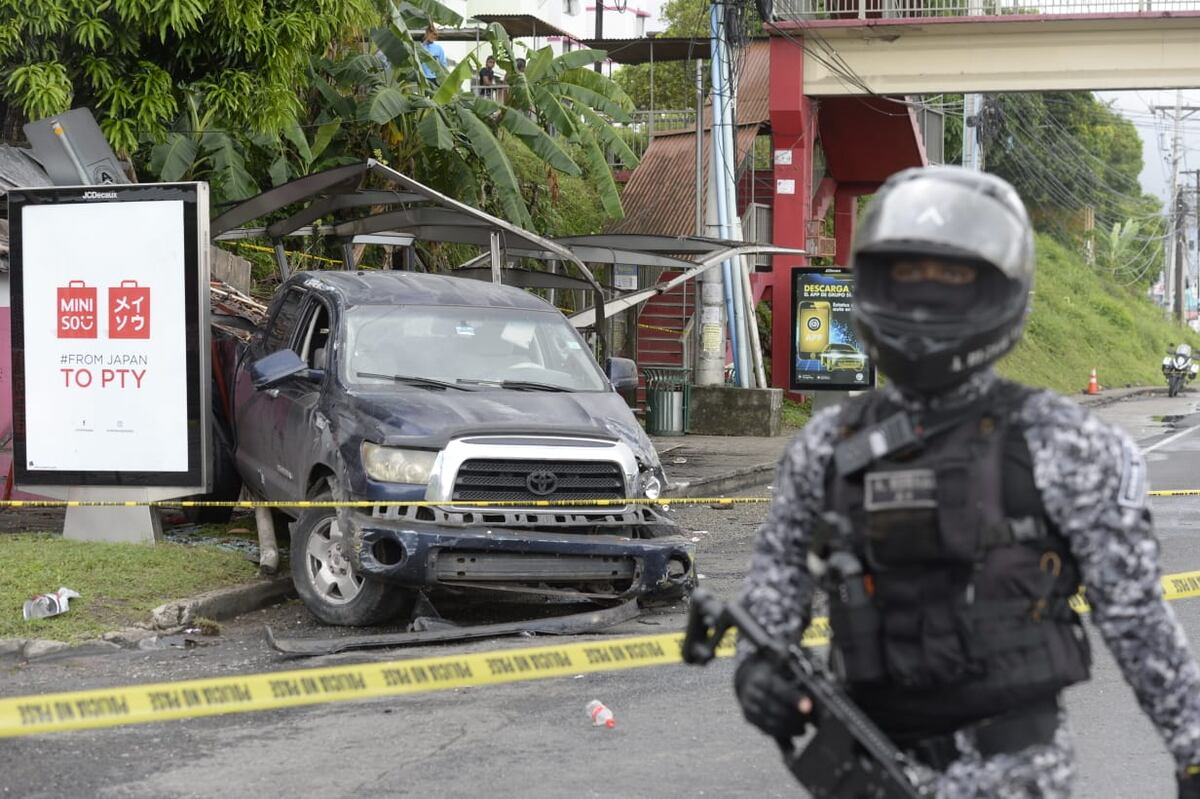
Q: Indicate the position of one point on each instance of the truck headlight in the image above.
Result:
(651, 487)
(394, 465)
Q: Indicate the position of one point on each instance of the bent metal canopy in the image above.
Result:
(396, 209)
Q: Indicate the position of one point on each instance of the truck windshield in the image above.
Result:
(478, 347)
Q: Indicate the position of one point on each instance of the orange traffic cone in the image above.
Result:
(1093, 387)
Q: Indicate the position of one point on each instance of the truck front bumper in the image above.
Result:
(426, 555)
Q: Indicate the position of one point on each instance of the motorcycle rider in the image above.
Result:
(974, 507)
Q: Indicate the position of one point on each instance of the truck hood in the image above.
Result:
(429, 419)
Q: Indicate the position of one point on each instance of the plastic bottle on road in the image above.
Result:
(601, 716)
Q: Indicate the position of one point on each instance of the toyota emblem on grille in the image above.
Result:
(541, 483)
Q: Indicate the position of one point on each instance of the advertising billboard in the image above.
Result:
(110, 335)
(826, 354)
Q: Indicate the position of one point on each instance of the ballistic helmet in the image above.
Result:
(926, 336)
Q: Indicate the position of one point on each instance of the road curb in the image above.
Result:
(1100, 400)
(736, 480)
(223, 603)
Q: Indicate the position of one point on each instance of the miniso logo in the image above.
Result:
(99, 195)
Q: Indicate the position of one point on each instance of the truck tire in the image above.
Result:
(326, 581)
(227, 485)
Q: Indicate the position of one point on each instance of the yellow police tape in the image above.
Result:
(424, 503)
(294, 253)
(645, 326)
(137, 704)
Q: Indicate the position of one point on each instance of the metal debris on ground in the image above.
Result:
(575, 624)
(44, 606)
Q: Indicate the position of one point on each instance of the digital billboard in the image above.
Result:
(826, 353)
(109, 335)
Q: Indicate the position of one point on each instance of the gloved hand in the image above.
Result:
(770, 701)
(1189, 783)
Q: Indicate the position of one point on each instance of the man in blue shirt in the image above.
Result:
(434, 49)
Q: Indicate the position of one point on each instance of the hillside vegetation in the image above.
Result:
(1082, 320)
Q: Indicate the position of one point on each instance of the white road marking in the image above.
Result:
(1175, 437)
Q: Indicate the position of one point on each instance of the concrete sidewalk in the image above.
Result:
(712, 466)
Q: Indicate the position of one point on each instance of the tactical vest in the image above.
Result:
(961, 612)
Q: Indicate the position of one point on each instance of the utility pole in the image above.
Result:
(1172, 273)
(1183, 243)
(1176, 142)
(600, 30)
(1180, 305)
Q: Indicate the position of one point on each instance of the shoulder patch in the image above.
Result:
(1132, 493)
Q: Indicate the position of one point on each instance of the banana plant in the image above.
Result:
(195, 150)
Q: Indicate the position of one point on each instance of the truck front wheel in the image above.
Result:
(325, 579)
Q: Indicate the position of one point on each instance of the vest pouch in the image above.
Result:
(858, 656)
(923, 632)
(958, 512)
(901, 517)
(899, 538)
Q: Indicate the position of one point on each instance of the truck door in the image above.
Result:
(301, 440)
(259, 413)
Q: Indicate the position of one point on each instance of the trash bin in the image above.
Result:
(667, 393)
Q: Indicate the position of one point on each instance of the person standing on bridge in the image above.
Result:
(966, 510)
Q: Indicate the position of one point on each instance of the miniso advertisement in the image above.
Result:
(108, 335)
(826, 354)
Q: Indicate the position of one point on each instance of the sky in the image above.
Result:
(1156, 133)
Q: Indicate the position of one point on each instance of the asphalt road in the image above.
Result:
(678, 734)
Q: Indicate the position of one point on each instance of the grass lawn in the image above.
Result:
(120, 583)
(1081, 320)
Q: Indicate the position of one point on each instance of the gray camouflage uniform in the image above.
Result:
(1092, 481)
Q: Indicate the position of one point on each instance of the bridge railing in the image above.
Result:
(830, 10)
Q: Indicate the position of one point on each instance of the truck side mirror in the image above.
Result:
(623, 374)
(275, 368)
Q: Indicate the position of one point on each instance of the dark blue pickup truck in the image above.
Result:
(399, 386)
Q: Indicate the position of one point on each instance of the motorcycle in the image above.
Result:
(1179, 368)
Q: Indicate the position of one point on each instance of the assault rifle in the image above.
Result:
(848, 756)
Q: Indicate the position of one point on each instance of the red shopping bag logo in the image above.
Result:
(129, 311)
(76, 310)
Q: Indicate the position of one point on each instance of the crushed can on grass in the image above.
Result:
(601, 716)
(43, 606)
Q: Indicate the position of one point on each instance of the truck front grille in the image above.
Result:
(482, 480)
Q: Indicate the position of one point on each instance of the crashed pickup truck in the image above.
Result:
(392, 387)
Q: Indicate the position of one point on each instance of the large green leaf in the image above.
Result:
(451, 85)
(612, 140)
(538, 63)
(538, 141)
(296, 136)
(593, 100)
(590, 79)
(400, 50)
(334, 101)
(574, 59)
(549, 107)
(324, 136)
(387, 103)
(278, 171)
(232, 180)
(601, 174)
(487, 149)
(501, 45)
(173, 159)
(433, 131)
(432, 11)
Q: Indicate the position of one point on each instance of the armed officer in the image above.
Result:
(952, 514)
